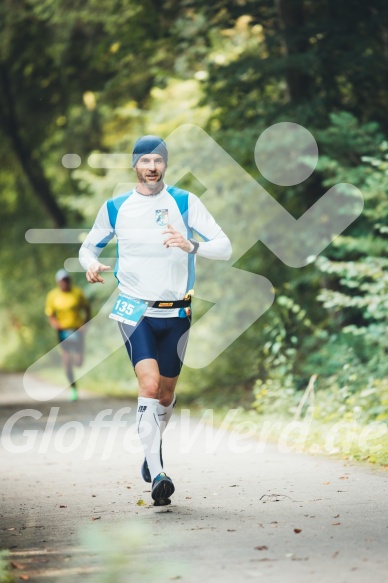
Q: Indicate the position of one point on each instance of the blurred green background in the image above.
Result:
(91, 76)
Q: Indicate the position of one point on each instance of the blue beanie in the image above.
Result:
(149, 145)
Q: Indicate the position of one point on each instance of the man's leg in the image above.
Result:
(68, 364)
(151, 345)
(170, 358)
(79, 352)
(77, 359)
(147, 372)
(166, 395)
(170, 361)
(167, 400)
(141, 345)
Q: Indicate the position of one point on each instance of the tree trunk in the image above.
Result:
(291, 22)
(32, 169)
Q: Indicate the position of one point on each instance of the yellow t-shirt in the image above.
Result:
(68, 307)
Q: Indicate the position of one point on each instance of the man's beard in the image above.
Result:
(152, 185)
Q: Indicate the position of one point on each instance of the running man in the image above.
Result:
(154, 226)
(68, 310)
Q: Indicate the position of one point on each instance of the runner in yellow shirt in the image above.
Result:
(68, 310)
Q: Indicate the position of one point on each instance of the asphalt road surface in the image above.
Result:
(74, 507)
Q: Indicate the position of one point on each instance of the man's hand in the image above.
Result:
(92, 273)
(176, 239)
(54, 323)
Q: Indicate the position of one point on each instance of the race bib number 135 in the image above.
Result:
(128, 310)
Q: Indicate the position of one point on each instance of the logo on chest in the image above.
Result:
(161, 217)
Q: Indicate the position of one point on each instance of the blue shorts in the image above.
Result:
(71, 340)
(158, 338)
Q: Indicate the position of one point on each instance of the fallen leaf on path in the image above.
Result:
(344, 477)
(141, 503)
(231, 529)
(336, 516)
(297, 530)
(261, 548)
(326, 483)
(62, 506)
(336, 523)
(17, 566)
(274, 498)
(96, 518)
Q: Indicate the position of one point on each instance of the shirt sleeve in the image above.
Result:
(100, 235)
(216, 244)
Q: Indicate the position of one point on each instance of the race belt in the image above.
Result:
(129, 310)
(170, 305)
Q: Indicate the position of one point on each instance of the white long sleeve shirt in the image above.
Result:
(145, 268)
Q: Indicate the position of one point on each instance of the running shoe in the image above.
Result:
(73, 394)
(162, 489)
(145, 471)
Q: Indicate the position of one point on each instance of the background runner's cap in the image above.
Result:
(149, 145)
(62, 274)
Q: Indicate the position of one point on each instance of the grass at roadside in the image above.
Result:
(346, 438)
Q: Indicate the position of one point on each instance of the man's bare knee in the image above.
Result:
(149, 387)
(148, 376)
(166, 390)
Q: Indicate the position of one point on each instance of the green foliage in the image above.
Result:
(349, 346)
(64, 67)
(5, 574)
(342, 402)
(90, 77)
(275, 390)
(122, 553)
(356, 281)
(294, 60)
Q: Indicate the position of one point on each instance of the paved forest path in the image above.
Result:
(74, 507)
